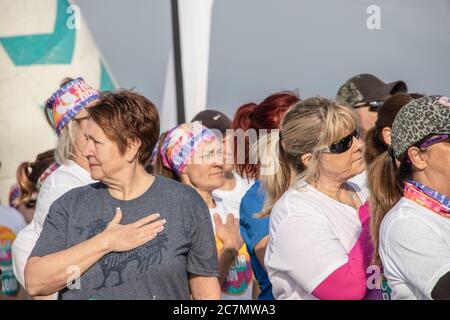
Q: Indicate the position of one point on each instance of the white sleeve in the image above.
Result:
(47, 195)
(307, 250)
(21, 223)
(21, 249)
(417, 252)
(27, 238)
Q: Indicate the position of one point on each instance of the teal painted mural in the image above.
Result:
(105, 80)
(53, 48)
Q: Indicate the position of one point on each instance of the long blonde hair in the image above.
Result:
(306, 128)
(65, 147)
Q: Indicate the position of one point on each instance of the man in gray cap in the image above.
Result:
(366, 94)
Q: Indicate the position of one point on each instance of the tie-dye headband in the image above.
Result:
(68, 100)
(181, 143)
(14, 194)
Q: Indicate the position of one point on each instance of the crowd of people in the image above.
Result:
(292, 198)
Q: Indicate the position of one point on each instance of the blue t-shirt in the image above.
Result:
(253, 229)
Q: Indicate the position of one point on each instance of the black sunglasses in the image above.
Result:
(342, 145)
(374, 106)
(30, 204)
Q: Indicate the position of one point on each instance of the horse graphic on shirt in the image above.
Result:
(145, 255)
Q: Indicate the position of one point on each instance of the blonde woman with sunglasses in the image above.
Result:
(319, 241)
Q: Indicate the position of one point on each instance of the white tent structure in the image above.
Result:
(41, 42)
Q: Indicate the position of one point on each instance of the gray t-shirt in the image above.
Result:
(156, 270)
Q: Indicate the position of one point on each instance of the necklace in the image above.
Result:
(350, 197)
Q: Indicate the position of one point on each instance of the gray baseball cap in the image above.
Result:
(213, 119)
(417, 120)
(366, 88)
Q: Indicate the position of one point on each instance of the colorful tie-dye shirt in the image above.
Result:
(238, 284)
(11, 222)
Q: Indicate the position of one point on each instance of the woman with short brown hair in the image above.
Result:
(106, 233)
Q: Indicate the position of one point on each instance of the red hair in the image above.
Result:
(265, 115)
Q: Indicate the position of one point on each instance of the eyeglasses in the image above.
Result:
(431, 141)
(374, 106)
(342, 145)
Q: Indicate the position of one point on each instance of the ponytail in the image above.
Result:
(374, 145)
(27, 187)
(385, 180)
(276, 172)
(158, 166)
(28, 174)
(265, 115)
(242, 118)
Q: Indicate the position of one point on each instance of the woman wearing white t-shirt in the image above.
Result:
(319, 242)
(188, 153)
(235, 187)
(410, 197)
(232, 197)
(69, 121)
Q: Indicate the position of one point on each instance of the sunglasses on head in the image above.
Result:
(374, 106)
(342, 145)
(436, 139)
(430, 141)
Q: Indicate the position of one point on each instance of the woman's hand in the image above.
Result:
(228, 233)
(124, 237)
(48, 274)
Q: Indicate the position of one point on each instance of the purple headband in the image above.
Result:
(434, 140)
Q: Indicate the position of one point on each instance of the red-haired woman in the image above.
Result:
(251, 118)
